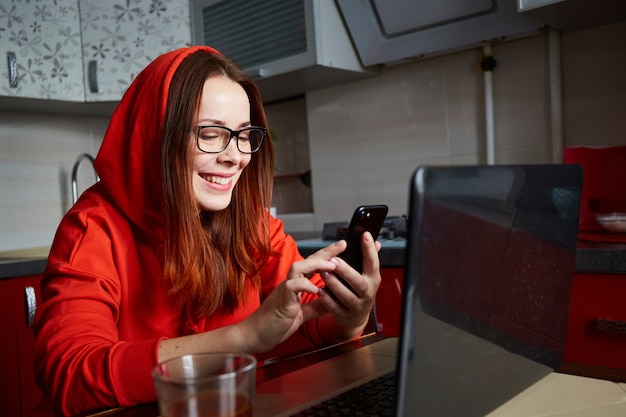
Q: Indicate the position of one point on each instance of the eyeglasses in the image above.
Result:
(215, 139)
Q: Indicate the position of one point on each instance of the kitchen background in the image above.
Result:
(336, 147)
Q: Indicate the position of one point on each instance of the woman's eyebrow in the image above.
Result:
(217, 122)
(210, 121)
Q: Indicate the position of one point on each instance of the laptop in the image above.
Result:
(489, 263)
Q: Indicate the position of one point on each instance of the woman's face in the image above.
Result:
(223, 103)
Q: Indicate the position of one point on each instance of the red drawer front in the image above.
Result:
(597, 297)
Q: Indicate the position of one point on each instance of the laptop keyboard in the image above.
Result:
(374, 398)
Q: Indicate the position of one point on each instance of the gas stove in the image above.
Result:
(394, 229)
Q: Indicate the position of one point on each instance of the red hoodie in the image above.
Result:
(104, 308)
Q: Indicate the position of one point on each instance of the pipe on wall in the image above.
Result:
(487, 65)
(556, 98)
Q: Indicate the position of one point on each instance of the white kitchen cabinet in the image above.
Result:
(84, 50)
(40, 50)
(121, 37)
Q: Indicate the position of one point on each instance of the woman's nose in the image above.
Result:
(231, 153)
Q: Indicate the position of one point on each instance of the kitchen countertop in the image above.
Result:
(601, 257)
(590, 257)
(23, 262)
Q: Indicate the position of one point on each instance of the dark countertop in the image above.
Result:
(601, 257)
(590, 257)
(23, 262)
(21, 267)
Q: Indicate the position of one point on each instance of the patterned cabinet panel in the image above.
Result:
(120, 37)
(40, 50)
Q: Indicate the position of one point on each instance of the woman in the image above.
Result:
(174, 251)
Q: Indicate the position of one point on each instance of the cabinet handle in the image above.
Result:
(12, 65)
(611, 326)
(31, 305)
(92, 76)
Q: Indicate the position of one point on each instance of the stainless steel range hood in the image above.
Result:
(290, 47)
(388, 32)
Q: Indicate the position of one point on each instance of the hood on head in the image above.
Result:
(129, 160)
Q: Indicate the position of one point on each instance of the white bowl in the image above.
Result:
(613, 222)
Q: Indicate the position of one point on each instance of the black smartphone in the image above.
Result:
(365, 219)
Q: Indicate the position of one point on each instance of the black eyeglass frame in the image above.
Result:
(233, 134)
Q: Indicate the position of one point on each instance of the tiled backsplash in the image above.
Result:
(364, 138)
(288, 121)
(36, 159)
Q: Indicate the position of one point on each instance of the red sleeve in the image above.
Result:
(95, 342)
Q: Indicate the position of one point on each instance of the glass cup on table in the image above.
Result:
(206, 385)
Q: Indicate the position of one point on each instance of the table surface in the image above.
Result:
(556, 395)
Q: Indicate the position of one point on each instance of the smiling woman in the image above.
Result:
(175, 252)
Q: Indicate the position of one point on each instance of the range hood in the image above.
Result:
(389, 32)
(290, 47)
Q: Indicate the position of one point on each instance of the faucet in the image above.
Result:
(75, 171)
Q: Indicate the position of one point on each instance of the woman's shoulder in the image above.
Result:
(94, 218)
(95, 205)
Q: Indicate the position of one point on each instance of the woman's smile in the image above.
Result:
(218, 182)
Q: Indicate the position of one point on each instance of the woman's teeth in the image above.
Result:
(218, 180)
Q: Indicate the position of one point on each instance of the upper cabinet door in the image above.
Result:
(40, 50)
(121, 37)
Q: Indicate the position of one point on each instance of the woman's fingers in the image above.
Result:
(329, 251)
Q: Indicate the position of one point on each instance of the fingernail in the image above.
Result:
(335, 261)
(325, 275)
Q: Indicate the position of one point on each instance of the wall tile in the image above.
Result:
(288, 123)
(36, 160)
(594, 86)
(521, 90)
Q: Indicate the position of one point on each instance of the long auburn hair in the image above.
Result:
(211, 256)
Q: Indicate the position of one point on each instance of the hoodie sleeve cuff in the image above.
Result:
(133, 383)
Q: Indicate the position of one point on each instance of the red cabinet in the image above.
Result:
(389, 301)
(18, 392)
(596, 335)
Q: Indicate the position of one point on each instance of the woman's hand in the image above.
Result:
(282, 312)
(350, 308)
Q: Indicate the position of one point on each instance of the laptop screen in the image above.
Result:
(489, 263)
